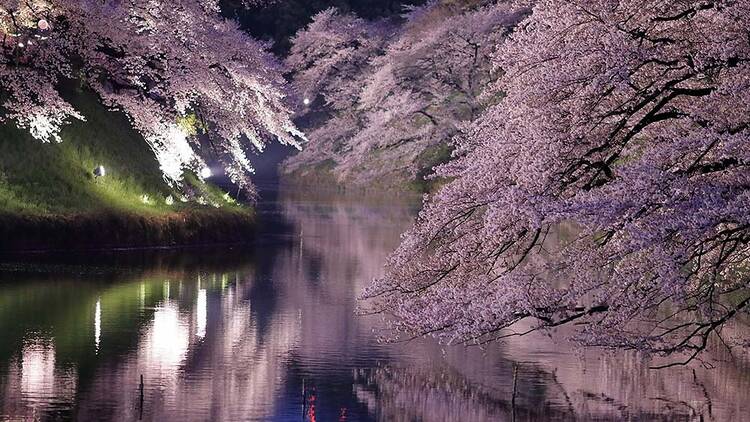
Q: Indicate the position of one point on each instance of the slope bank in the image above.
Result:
(50, 198)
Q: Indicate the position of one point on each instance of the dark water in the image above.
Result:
(269, 333)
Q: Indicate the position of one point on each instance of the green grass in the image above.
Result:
(39, 178)
(50, 199)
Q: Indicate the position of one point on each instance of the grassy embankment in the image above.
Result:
(49, 198)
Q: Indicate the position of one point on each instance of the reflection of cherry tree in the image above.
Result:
(553, 383)
(234, 345)
(173, 68)
(340, 245)
(360, 232)
(220, 366)
(591, 383)
(33, 379)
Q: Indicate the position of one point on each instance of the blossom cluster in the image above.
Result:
(608, 189)
(155, 61)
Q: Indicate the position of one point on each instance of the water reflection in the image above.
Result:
(98, 324)
(269, 334)
(200, 309)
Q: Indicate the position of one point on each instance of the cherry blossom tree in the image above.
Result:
(161, 63)
(329, 60)
(608, 190)
(392, 94)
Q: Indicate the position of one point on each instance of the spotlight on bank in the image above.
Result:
(100, 171)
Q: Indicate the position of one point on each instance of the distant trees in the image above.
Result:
(281, 19)
(393, 93)
(623, 130)
(164, 64)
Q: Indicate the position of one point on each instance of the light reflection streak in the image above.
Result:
(38, 368)
(242, 371)
(167, 342)
(98, 324)
(201, 313)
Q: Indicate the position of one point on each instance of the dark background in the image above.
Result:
(277, 23)
(280, 20)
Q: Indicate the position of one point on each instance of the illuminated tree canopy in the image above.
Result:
(623, 133)
(161, 63)
(392, 93)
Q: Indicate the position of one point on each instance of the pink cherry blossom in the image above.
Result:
(392, 92)
(156, 62)
(608, 189)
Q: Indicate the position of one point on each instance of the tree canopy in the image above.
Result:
(175, 69)
(607, 190)
(392, 94)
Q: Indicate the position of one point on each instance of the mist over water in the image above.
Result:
(270, 333)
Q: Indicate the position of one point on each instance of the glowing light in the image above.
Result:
(306, 101)
(38, 368)
(98, 324)
(201, 313)
(168, 340)
(206, 173)
(100, 171)
(21, 45)
(43, 25)
(172, 150)
(45, 125)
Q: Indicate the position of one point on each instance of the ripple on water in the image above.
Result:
(271, 334)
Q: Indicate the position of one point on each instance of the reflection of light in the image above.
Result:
(98, 323)
(168, 340)
(201, 313)
(206, 173)
(142, 296)
(38, 368)
(166, 290)
(306, 101)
